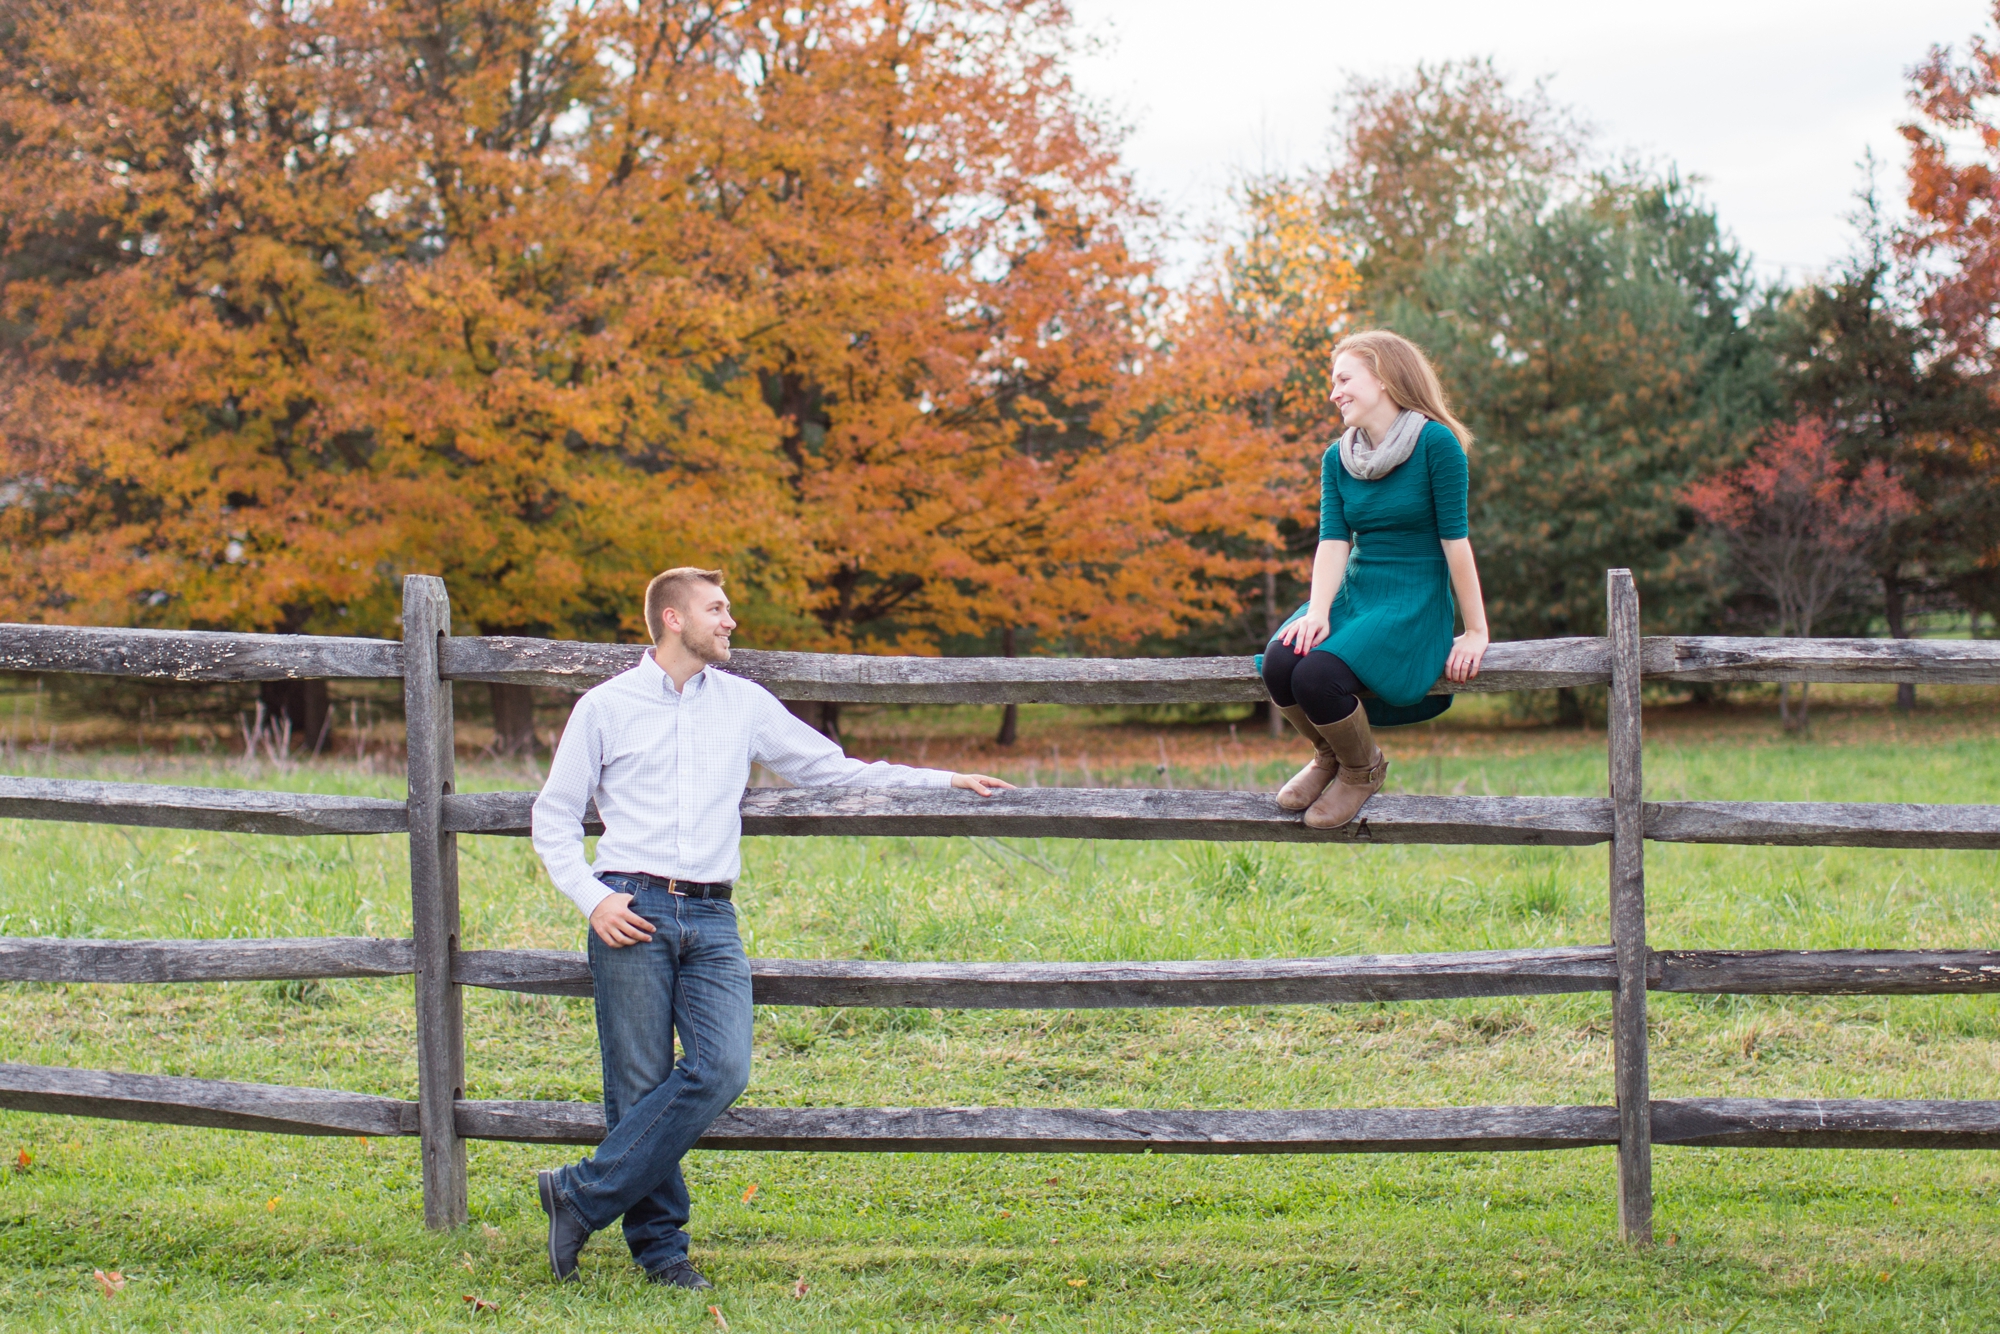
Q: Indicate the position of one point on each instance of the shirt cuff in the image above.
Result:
(587, 894)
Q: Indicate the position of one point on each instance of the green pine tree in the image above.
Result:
(1606, 349)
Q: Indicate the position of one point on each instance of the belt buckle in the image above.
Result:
(671, 882)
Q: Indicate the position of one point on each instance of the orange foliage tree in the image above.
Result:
(1952, 242)
(545, 297)
(1289, 291)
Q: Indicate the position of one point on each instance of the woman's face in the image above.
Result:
(1356, 390)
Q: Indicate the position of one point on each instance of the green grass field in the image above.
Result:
(227, 1231)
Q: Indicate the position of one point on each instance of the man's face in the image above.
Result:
(704, 625)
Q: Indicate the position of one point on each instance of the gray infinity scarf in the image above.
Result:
(1366, 460)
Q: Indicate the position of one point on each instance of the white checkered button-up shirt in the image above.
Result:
(668, 772)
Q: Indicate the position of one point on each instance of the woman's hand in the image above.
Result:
(1306, 631)
(982, 784)
(1467, 651)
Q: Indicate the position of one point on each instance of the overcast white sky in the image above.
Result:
(1771, 102)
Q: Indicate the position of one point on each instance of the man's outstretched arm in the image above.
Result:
(799, 754)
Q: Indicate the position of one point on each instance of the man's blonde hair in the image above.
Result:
(671, 588)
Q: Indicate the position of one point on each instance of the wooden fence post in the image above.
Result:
(434, 900)
(1628, 916)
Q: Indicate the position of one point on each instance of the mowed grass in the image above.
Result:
(219, 1230)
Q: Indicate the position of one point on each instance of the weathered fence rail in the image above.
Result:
(429, 659)
(1149, 813)
(1353, 979)
(1713, 1122)
(1542, 664)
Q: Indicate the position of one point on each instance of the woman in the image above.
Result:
(1392, 551)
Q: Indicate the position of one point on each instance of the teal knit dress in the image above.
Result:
(1392, 620)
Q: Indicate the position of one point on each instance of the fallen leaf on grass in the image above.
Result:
(493, 1234)
(1078, 1282)
(111, 1282)
(1883, 1277)
(720, 1323)
(465, 1261)
(1053, 1181)
(22, 1163)
(751, 1193)
(272, 1207)
(481, 1304)
(799, 1288)
(363, 1139)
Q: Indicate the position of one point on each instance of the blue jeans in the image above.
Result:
(691, 978)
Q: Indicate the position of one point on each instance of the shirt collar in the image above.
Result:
(656, 675)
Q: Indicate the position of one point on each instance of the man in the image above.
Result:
(665, 750)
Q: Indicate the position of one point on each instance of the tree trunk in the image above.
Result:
(1893, 608)
(1569, 707)
(513, 718)
(1799, 722)
(820, 715)
(1010, 716)
(1272, 718)
(304, 704)
(1785, 705)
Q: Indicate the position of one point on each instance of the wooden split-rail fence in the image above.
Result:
(429, 659)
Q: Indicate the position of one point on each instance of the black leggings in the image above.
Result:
(1321, 683)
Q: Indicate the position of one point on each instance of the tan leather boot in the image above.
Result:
(1306, 785)
(1362, 769)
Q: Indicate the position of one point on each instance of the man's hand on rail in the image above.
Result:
(979, 783)
(1467, 652)
(617, 925)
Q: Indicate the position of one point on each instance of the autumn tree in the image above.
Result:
(1858, 355)
(1287, 291)
(1423, 163)
(1952, 244)
(290, 312)
(545, 297)
(1800, 527)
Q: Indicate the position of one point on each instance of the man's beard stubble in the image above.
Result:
(705, 647)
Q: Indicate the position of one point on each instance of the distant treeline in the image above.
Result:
(854, 301)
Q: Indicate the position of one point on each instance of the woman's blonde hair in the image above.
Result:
(1406, 373)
